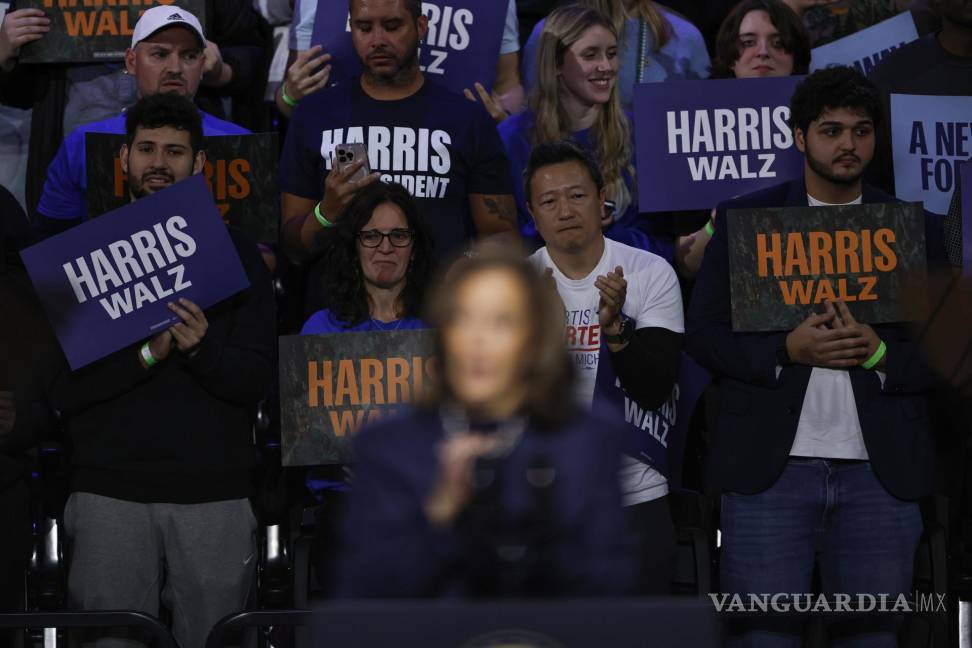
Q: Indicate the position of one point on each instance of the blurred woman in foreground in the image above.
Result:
(496, 486)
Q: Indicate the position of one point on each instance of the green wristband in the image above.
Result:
(147, 355)
(286, 99)
(321, 218)
(709, 228)
(871, 362)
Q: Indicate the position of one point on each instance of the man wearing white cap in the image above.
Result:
(169, 53)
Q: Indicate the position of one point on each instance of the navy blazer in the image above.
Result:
(391, 551)
(759, 412)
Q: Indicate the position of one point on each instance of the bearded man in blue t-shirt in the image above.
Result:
(443, 148)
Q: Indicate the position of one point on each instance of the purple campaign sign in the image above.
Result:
(462, 45)
(965, 185)
(106, 283)
(659, 435)
(866, 48)
(702, 142)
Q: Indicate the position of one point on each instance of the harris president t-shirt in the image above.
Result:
(439, 145)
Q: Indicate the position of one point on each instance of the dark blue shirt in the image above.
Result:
(439, 145)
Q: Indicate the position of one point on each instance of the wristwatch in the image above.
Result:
(625, 333)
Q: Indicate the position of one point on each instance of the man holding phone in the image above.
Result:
(443, 148)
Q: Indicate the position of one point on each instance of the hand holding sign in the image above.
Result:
(613, 291)
(816, 342)
(492, 106)
(160, 347)
(845, 321)
(20, 27)
(190, 332)
(302, 80)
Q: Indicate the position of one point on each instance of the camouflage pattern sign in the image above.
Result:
(330, 385)
(85, 31)
(784, 263)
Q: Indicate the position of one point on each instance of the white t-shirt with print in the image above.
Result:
(653, 300)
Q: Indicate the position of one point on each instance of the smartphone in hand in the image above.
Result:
(347, 154)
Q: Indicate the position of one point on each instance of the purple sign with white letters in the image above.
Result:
(965, 185)
(658, 435)
(701, 142)
(107, 283)
(461, 47)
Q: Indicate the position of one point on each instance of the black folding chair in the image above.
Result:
(147, 624)
(230, 628)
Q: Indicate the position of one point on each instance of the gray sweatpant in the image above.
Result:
(200, 558)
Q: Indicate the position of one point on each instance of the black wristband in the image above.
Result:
(624, 334)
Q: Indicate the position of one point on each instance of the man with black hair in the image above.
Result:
(162, 430)
(823, 444)
(163, 140)
(627, 297)
(443, 148)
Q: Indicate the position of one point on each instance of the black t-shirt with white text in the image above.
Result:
(439, 145)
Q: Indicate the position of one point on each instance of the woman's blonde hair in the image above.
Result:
(645, 10)
(611, 134)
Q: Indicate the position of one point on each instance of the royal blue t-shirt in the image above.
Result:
(439, 145)
(629, 228)
(66, 187)
(323, 321)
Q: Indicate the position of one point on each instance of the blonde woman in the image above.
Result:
(654, 44)
(576, 97)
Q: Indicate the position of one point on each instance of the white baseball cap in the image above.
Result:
(163, 16)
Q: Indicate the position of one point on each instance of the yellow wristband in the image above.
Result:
(321, 218)
(709, 228)
(286, 99)
(871, 362)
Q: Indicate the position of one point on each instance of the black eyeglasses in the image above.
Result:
(373, 238)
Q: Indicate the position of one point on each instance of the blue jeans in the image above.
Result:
(833, 513)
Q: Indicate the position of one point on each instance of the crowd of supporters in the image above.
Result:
(506, 219)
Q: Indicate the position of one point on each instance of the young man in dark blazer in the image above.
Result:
(823, 443)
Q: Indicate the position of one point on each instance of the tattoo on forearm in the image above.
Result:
(504, 209)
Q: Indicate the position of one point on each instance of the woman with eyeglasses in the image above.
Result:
(377, 265)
